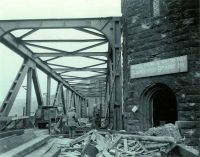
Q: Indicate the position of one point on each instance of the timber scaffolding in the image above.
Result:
(31, 142)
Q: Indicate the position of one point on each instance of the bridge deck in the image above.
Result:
(102, 142)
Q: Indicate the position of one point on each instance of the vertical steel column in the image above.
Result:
(78, 106)
(111, 93)
(74, 100)
(37, 88)
(56, 98)
(71, 100)
(63, 99)
(118, 74)
(81, 106)
(48, 98)
(67, 100)
(29, 92)
(87, 111)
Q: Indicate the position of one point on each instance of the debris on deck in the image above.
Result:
(164, 141)
(152, 143)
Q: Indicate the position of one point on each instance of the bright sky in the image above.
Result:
(40, 9)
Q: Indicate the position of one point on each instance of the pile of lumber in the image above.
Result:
(156, 142)
(105, 144)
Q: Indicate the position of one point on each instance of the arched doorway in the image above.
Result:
(158, 106)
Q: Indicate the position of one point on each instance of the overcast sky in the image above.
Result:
(40, 9)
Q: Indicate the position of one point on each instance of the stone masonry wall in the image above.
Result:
(175, 32)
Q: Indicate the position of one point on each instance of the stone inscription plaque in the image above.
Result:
(160, 67)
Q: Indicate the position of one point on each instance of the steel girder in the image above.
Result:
(14, 89)
(80, 54)
(29, 91)
(37, 88)
(48, 90)
(10, 41)
(113, 97)
(109, 27)
(103, 25)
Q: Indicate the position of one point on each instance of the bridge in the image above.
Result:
(108, 78)
(98, 85)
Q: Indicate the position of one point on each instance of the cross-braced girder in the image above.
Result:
(106, 72)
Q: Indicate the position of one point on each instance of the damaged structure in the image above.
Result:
(141, 100)
(161, 65)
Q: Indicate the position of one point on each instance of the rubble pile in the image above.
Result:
(166, 130)
(120, 144)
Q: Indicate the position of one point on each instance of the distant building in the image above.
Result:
(163, 34)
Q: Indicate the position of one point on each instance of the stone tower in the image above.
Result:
(161, 65)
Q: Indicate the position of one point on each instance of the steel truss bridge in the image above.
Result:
(109, 78)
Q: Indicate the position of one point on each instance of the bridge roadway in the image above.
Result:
(39, 143)
(33, 142)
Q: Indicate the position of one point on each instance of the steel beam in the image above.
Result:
(65, 40)
(87, 88)
(118, 77)
(37, 88)
(95, 58)
(14, 89)
(89, 47)
(85, 84)
(94, 65)
(81, 69)
(67, 99)
(97, 78)
(28, 33)
(29, 92)
(63, 100)
(81, 108)
(58, 92)
(80, 54)
(78, 77)
(90, 32)
(45, 47)
(104, 25)
(76, 51)
(10, 41)
(48, 98)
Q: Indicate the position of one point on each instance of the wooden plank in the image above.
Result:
(125, 145)
(149, 138)
(81, 138)
(53, 152)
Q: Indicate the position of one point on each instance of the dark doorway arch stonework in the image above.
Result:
(158, 106)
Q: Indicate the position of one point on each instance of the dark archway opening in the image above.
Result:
(164, 106)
